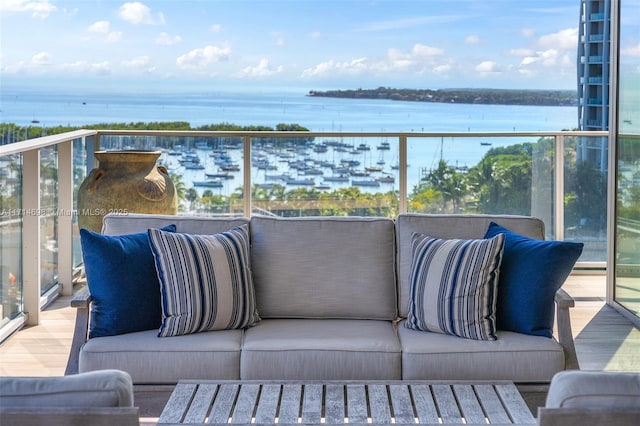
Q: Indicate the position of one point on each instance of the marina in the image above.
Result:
(319, 165)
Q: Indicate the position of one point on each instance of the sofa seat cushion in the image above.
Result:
(150, 359)
(311, 349)
(513, 356)
(324, 267)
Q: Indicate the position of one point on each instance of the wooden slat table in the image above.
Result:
(331, 403)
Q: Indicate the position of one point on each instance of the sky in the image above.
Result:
(298, 44)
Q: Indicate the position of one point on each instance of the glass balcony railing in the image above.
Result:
(559, 177)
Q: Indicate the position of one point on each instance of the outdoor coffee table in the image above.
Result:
(352, 402)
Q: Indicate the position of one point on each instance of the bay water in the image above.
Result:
(268, 108)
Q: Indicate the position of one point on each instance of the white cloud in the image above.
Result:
(486, 67)
(165, 39)
(564, 39)
(442, 69)
(103, 27)
(38, 9)
(84, 67)
(424, 51)
(631, 50)
(527, 32)
(521, 52)
(315, 35)
(263, 69)
(42, 58)
(139, 13)
(99, 27)
(200, 58)
(113, 37)
(420, 59)
(328, 68)
(141, 63)
(278, 37)
(472, 39)
(216, 28)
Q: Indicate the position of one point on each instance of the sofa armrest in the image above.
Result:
(82, 303)
(565, 335)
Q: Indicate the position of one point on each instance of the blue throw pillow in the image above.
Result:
(123, 282)
(531, 273)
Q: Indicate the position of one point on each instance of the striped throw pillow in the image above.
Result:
(205, 281)
(453, 286)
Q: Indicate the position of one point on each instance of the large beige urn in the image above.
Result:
(125, 182)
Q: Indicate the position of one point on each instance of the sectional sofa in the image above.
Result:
(325, 298)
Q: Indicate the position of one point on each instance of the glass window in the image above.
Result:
(627, 217)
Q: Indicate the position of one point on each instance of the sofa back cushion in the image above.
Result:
(461, 226)
(324, 267)
(117, 224)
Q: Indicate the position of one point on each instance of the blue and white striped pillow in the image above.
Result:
(453, 285)
(205, 281)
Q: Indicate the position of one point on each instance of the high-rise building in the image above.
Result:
(593, 78)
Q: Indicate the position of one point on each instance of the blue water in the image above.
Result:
(315, 113)
(271, 108)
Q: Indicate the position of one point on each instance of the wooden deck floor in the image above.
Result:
(605, 340)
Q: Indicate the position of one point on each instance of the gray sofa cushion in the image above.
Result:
(330, 267)
(106, 388)
(513, 356)
(310, 349)
(594, 389)
(153, 360)
(115, 224)
(448, 227)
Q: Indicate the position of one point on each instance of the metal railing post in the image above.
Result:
(558, 190)
(246, 192)
(402, 148)
(65, 216)
(31, 235)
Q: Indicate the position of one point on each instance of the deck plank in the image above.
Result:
(222, 406)
(357, 404)
(334, 403)
(268, 403)
(201, 404)
(290, 405)
(379, 404)
(178, 402)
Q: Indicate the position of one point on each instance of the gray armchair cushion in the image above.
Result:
(104, 388)
(594, 389)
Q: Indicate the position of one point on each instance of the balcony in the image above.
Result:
(296, 174)
(41, 253)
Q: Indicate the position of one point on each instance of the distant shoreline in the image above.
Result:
(459, 96)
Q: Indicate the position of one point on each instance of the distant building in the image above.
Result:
(593, 79)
